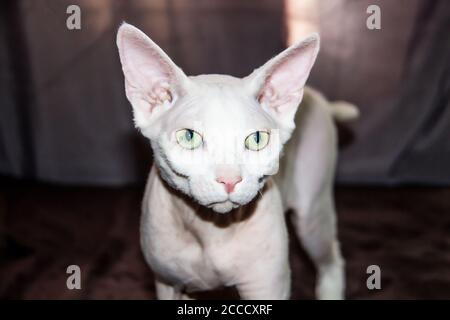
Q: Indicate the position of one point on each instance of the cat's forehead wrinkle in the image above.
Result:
(219, 102)
(222, 110)
(216, 86)
(220, 98)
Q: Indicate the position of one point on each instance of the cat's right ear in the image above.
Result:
(152, 81)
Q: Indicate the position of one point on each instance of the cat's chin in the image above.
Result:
(223, 207)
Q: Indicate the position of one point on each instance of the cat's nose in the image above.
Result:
(229, 182)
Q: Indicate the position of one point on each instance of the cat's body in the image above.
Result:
(212, 214)
(193, 249)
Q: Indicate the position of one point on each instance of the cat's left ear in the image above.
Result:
(152, 81)
(278, 84)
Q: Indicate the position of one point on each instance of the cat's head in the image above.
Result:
(215, 137)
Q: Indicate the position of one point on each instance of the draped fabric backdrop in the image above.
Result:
(64, 116)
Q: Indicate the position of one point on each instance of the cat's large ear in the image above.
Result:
(278, 84)
(152, 81)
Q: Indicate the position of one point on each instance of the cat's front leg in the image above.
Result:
(166, 291)
(317, 229)
(264, 283)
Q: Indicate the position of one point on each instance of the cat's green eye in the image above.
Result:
(257, 140)
(188, 139)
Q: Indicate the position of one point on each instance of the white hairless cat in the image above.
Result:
(212, 213)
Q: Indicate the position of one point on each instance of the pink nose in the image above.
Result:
(229, 183)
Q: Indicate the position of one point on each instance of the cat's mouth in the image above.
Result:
(224, 206)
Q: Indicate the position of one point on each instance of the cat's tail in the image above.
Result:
(344, 111)
(341, 111)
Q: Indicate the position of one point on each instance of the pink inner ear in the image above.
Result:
(149, 72)
(277, 102)
(152, 80)
(285, 79)
(145, 66)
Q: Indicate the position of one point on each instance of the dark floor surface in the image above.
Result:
(406, 231)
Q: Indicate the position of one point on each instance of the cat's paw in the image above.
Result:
(330, 282)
